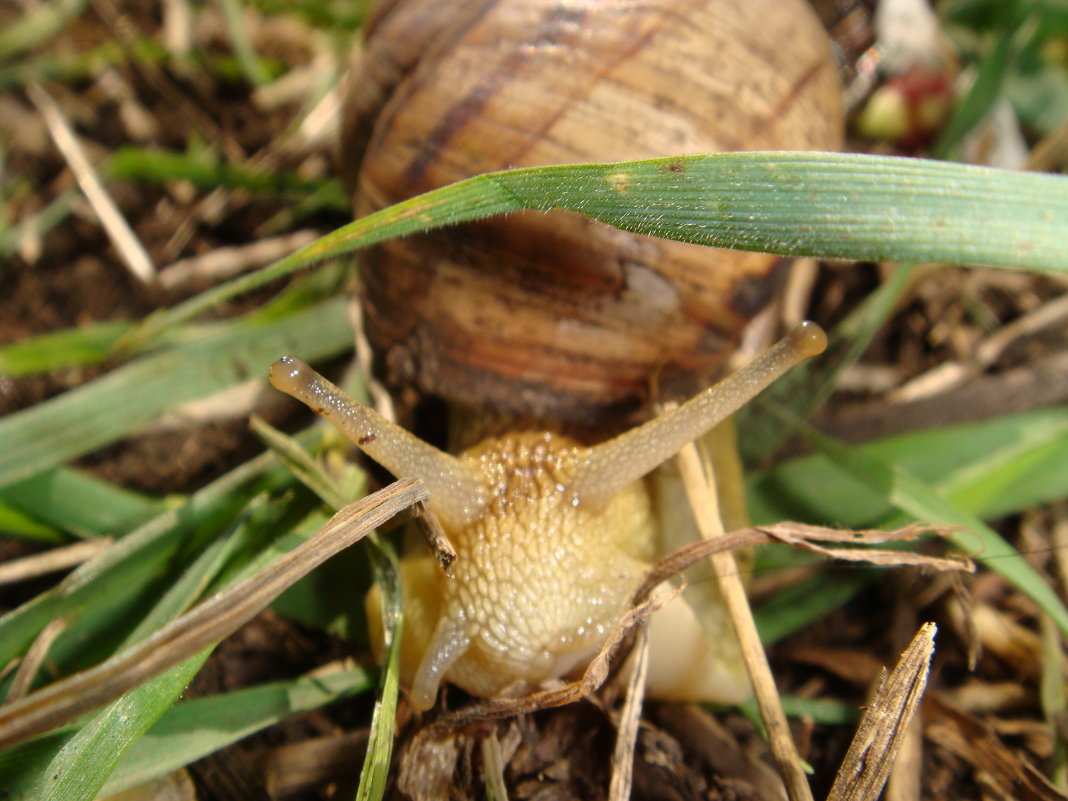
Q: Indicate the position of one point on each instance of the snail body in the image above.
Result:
(554, 316)
(552, 538)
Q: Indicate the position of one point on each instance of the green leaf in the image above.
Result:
(805, 388)
(80, 768)
(131, 396)
(196, 728)
(796, 607)
(14, 523)
(41, 22)
(206, 172)
(74, 347)
(380, 745)
(79, 503)
(990, 468)
(922, 502)
(139, 557)
(848, 206)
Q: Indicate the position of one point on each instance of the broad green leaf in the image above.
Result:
(74, 347)
(79, 503)
(131, 396)
(922, 502)
(990, 468)
(193, 729)
(848, 206)
(1029, 472)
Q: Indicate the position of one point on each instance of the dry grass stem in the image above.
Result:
(700, 485)
(493, 768)
(51, 561)
(1059, 542)
(807, 538)
(1042, 382)
(34, 658)
(797, 295)
(204, 625)
(222, 263)
(1051, 313)
(1051, 152)
(630, 718)
(380, 397)
(881, 731)
(118, 230)
(440, 544)
(906, 774)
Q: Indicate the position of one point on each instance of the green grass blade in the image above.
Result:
(1025, 473)
(303, 466)
(989, 468)
(987, 87)
(834, 205)
(804, 389)
(75, 347)
(196, 728)
(80, 768)
(138, 557)
(40, 22)
(129, 397)
(798, 606)
(79, 503)
(15, 523)
(206, 172)
(251, 66)
(922, 502)
(380, 745)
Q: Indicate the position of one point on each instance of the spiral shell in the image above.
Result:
(551, 315)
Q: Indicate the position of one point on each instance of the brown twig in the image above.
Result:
(630, 719)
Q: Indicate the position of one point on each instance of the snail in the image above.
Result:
(557, 324)
(552, 538)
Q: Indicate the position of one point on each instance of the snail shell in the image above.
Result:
(553, 315)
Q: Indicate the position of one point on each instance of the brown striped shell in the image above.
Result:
(553, 315)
